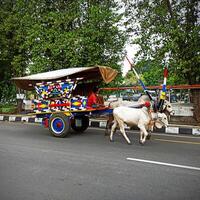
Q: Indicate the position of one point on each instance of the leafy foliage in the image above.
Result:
(38, 36)
(167, 31)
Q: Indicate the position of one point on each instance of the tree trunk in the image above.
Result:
(195, 99)
(19, 105)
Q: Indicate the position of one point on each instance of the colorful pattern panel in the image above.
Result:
(50, 105)
(40, 106)
(79, 103)
(76, 103)
(59, 105)
(53, 90)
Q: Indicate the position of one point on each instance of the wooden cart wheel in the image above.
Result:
(80, 123)
(59, 125)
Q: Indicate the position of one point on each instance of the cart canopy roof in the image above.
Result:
(101, 73)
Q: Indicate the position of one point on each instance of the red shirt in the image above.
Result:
(92, 99)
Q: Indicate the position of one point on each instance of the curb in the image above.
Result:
(171, 129)
(100, 123)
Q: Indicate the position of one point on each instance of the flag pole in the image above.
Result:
(139, 79)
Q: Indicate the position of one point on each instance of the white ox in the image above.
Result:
(142, 118)
(167, 109)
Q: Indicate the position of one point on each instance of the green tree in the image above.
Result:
(65, 34)
(38, 36)
(10, 40)
(168, 30)
(130, 79)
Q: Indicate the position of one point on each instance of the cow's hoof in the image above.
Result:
(129, 143)
(111, 140)
(141, 142)
(148, 136)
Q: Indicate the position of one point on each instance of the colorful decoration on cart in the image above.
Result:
(50, 105)
(76, 103)
(79, 103)
(164, 89)
(57, 89)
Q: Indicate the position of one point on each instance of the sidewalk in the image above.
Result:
(101, 123)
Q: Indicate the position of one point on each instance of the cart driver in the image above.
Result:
(94, 99)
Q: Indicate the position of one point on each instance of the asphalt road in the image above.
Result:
(37, 166)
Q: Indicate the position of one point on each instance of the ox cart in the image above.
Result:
(62, 97)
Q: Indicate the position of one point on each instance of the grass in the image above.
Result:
(8, 108)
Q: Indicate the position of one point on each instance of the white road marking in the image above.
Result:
(163, 163)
